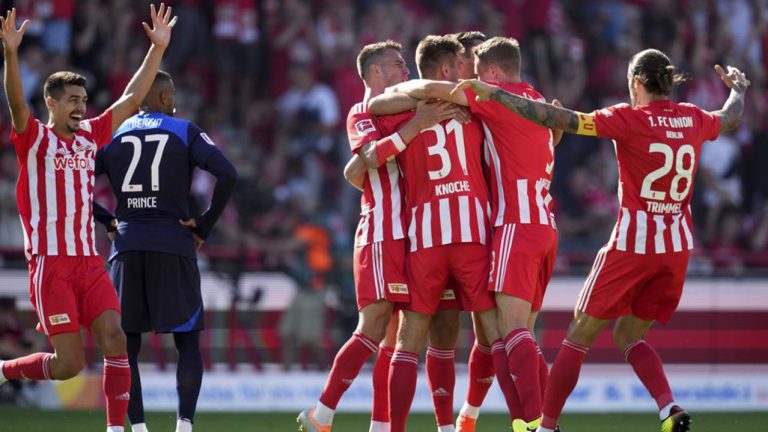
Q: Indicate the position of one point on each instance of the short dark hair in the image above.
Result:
(162, 77)
(434, 50)
(501, 51)
(371, 53)
(655, 71)
(55, 84)
(468, 38)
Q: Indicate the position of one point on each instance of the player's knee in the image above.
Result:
(114, 342)
(623, 337)
(373, 331)
(67, 368)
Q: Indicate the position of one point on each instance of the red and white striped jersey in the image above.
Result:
(446, 194)
(657, 148)
(521, 157)
(381, 216)
(55, 189)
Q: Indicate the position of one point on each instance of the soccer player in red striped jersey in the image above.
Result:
(638, 276)
(521, 156)
(447, 219)
(69, 286)
(379, 246)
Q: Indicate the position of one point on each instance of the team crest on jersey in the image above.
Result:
(397, 288)
(365, 127)
(448, 294)
(59, 319)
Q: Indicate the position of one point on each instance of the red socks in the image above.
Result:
(347, 364)
(543, 372)
(441, 376)
(562, 380)
(35, 366)
(117, 387)
(647, 365)
(501, 365)
(481, 373)
(380, 412)
(402, 382)
(524, 367)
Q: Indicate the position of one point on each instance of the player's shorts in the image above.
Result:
(379, 272)
(158, 291)
(647, 286)
(69, 291)
(463, 267)
(522, 261)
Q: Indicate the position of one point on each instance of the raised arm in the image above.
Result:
(160, 35)
(730, 114)
(12, 79)
(429, 89)
(545, 114)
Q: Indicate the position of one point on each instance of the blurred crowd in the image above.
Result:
(272, 81)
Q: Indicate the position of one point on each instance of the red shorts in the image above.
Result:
(378, 270)
(460, 267)
(69, 291)
(647, 286)
(522, 261)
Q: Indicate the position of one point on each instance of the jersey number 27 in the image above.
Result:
(161, 140)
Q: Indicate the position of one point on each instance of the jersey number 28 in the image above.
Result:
(681, 172)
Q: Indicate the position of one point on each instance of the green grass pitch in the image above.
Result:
(31, 420)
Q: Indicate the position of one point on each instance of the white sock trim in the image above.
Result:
(139, 427)
(377, 426)
(323, 414)
(664, 413)
(446, 428)
(470, 411)
(183, 425)
(543, 429)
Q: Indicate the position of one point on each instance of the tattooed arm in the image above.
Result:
(547, 115)
(730, 114)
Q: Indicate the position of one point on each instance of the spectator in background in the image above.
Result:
(719, 169)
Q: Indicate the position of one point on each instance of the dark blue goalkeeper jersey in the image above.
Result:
(150, 163)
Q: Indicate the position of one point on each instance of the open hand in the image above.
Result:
(482, 90)
(734, 79)
(9, 34)
(192, 223)
(160, 32)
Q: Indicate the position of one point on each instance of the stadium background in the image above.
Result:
(271, 82)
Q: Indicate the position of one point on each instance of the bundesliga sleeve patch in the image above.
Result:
(397, 288)
(364, 127)
(587, 125)
(59, 319)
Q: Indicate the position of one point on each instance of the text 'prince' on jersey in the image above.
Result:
(446, 194)
(149, 163)
(657, 148)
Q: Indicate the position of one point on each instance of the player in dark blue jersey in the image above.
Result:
(154, 262)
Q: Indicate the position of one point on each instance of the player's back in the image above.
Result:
(521, 157)
(657, 148)
(446, 193)
(149, 164)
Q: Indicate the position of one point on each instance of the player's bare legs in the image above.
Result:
(411, 337)
(117, 373)
(373, 323)
(481, 373)
(441, 366)
(582, 333)
(628, 333)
